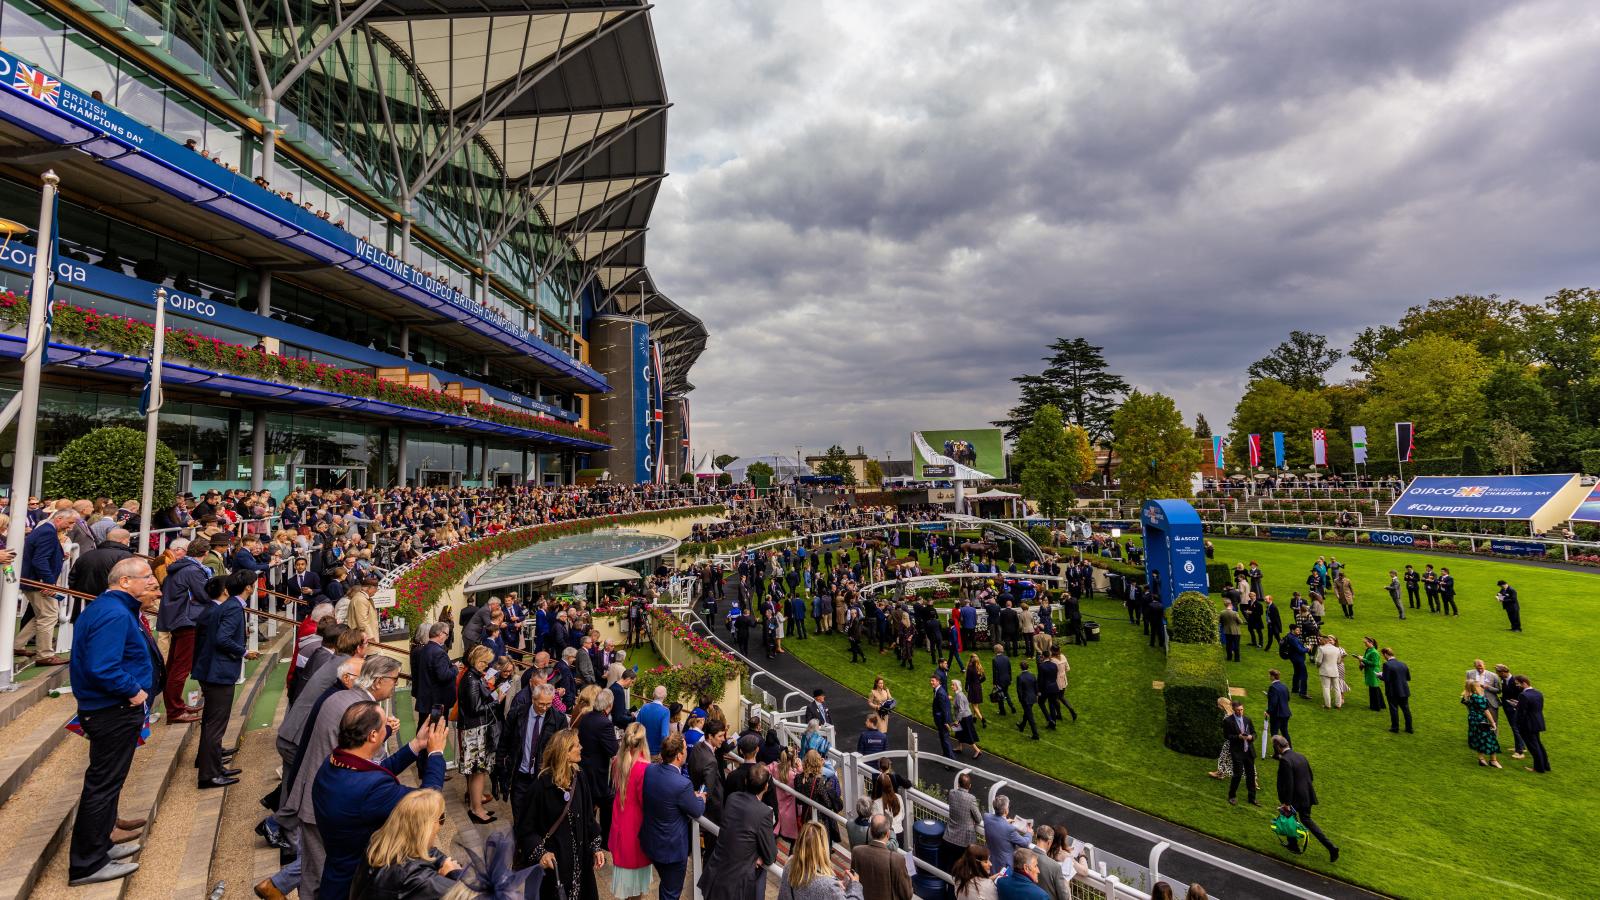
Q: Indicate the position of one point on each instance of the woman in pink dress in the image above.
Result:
(630, 868)
(783, 772)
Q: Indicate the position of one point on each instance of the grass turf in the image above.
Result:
(1414, 815)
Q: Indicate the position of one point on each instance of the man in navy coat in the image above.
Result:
(219, 654)
(941, 716)
(1278, 711)
(354, 793)
(670, 804)
(42, 559)
(1530, 723)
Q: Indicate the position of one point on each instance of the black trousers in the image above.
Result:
(213, 722)
(1257, 635)
(1274, 634)
(1375, 698)
(1514, 614)
(969, 638)
(113, 735)
(855, 650)
(1244, 766)
(1535, 742)
(1433, 601)
(1279, 725)
(1396, 708)
(1449, 601)
(1231, 644)
(1304, 813)
(1412, 598)
(944, 740)
(1027, 719)
(1004, 694)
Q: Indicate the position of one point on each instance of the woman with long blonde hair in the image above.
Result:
(562, 806)
(400, 862)
(808, 875)
(584, 703)
(630, 868)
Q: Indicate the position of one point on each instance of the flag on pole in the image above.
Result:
(1255, 450)
(1277, 448)
(1405, 441)
(1319, 446)
(1216, 451)
(149, 385)
(1358, 443)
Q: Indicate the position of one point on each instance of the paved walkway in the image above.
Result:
(849, 708)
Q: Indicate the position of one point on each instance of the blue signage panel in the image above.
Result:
(1479, 496)
(1589, 510)
(830, 538)
(643, 430)
(1175, 548)
(1392, 538)
(1517, 548)
(1293, 534)
(932, 526)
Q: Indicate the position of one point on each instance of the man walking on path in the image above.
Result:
(1295, 790)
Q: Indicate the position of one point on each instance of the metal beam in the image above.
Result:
(605, 209)
(335, 33)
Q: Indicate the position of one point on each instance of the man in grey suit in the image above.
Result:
(881, 870)
(965, 822)
(1049, 870)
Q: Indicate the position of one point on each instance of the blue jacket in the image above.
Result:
(1278, 700)
(1297, 650)
(941, 707)
(669, 804)
(1003, 840)
(657, 722)
(183, 595)
(352, 804)
(969, 617)
(42, 555)
(219, 646)
(110, 654)
(1017, 886)
(244, 560)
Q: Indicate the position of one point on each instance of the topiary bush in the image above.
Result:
(109, 462)
(1195, 679)
(1218, 576)
(1193, 618)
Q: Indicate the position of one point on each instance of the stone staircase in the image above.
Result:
(41, 774)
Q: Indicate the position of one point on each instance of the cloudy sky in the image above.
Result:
(883, 211)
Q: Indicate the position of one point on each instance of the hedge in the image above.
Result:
(705, 678)
(1195, 679)
(1193, 619)
(109, 462)
(1589, 461)
(420, 587)
(712, 548)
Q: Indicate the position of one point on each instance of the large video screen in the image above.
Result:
(966, 454)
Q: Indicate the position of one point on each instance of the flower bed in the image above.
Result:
(93, 328)
(707, 676)
(419, 588)
(712, 548)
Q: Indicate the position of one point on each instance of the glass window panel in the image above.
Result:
(33, 35)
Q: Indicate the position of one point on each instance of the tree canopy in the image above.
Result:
(1269, 405)
(1435, 382)
(1077, 382)
(1044, 455)
(1156, 452)
(836, 463)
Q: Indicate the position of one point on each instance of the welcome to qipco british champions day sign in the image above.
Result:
(1542, 500)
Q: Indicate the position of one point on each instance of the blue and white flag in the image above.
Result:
(1277, 448)
(1358, 443)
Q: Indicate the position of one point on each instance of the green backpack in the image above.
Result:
(1287, 827)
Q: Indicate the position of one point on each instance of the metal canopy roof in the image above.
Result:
(682, 335)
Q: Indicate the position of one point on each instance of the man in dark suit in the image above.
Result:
(1430, 586)
(1240, 733)
(1530, 723)
(621, 716)
(1413, 581)
(1000, 671)
(1274, 624)
(1278, 711)
(881, 870)
(1296, 790)
(670, 805)
(1508, 600)
(1396, 689)
(1155, 615)
(818, 708)
(705, 772)
(1294, 651)
(564, 678)
(530, 725)
(1447, 592)
(746, 844)
(434, 681)
(1027, 695)
(304, 585)
(941, 716)
(1010, 627)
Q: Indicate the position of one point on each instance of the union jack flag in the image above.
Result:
(36, 84)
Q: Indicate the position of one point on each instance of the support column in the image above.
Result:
(400, 458)
(405, 342)
(258, 419)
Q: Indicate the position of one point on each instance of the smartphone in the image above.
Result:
(435, 714)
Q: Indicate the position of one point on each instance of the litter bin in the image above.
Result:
(1092, 630)
(1118, 586)
(926, 834)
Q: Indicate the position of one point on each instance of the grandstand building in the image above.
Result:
(405, 238)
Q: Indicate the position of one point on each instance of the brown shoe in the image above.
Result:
(183, 718)
(131, 824)
(23, 651)
(122, 835)
(51, 660)
(266, 890)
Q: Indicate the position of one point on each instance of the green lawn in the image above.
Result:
(1414, 815)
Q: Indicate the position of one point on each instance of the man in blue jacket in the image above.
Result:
(42, 559)
(1294, 651)
(670, 804)
(219, 654)
(114, 676)
(656, 719)
(941, 716)
(354, 793)
(183, 597)
(1278, 711)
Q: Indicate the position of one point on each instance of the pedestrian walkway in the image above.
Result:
(849, 711)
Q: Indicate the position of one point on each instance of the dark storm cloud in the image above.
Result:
(884, 211)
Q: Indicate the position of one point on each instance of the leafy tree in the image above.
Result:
(1435, 382)
(1565, 338)
(686, 478)
(874, 472)
(1300, 362)
(109, 462)
(1043, 454)
(837, 463)
(1080, 455)
(1076, 382)
(723, 459)
(1269, 405)
(1509, 447)
(759, 474)
(1156, 451)
(724, 479)
(1493, 325)
(1202, 428)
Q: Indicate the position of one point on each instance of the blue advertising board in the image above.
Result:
(643, 431)
(1392, 538)
(1175, 547)
(1589, 509)
(932, 526)
(1517, 548)
(1289, 532)
(831, 538)
(1516, 497)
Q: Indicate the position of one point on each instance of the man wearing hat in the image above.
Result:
(818, 708)
(1508, 600)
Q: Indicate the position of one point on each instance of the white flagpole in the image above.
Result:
(147, 497)
(27, 424)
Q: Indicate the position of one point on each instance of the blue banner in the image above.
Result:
(1589, 509)
(1277, 447)
(1293, 534)
(1517, 548)
(1392, 538)
(1518, 497)
(932, 526)
(1108, 524)
(831, 538)
(643, 427)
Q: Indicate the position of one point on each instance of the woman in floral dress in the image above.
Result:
(1482, 731)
